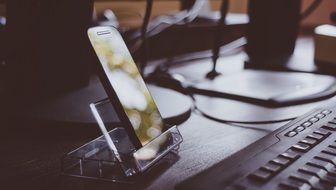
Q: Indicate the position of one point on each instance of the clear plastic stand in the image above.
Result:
(113, 157)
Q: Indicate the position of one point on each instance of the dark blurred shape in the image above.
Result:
(272, 32)
(333, 17)
(187, 4)
(313, 6)
(48, 47)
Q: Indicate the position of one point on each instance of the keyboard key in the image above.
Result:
(330, 180)
(274, 168)
(290, 155)
(314, 119)
(308, 141)
(326, 157)
(317, 137)
(307, 124)
(332, 172)
(329, 150)
(291, 133)
(292, 184)
(280, 161)
(322, 186)
(261, 175)
(326, 112)
(329, 126)
(299, 129)
(318, 172)
(333, 121)
(301, 147)
(322, 132)
(333, 145)
(321, 164)
(307, 178)
(320, 115)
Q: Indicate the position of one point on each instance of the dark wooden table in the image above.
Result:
(30, 155)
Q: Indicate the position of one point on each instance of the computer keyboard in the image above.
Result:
(300, 155)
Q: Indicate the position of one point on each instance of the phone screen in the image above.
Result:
(127, 83)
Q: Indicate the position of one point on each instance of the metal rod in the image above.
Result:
(221, 22)
(144, 57)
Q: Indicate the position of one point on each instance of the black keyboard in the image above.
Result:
(300, 155)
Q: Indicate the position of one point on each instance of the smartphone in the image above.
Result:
(125, 86)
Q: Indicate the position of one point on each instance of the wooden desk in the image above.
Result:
(30, 158)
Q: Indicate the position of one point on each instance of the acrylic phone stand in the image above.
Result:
(113, 157)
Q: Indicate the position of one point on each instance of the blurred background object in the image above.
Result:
(164, 33)
(272, 32)
(325, 46)
(47, 47)
(136, 10)
(130, 17)
(333, 17)
(167, 26)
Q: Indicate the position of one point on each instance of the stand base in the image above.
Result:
(212, 74)
(95, 160)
